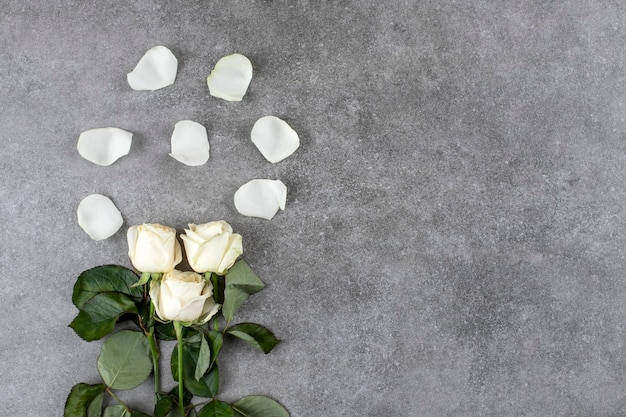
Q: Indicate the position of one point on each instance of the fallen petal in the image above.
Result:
(156, 69)
(230, 77)
(275, 138)
(261, 198)
(105, 145)
(98, 216)
(190, 143)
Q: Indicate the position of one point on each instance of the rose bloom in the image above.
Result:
(212, 247)
(153, 248)
(183, 296)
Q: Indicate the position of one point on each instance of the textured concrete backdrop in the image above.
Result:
(453, 242)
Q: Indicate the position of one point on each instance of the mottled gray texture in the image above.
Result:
(453, 238)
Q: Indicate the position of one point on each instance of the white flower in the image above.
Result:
(183, 296)
(153, 248)
(212, 247)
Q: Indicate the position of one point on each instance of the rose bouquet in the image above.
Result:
(168, 304)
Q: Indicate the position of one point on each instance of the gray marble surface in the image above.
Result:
(453, 241)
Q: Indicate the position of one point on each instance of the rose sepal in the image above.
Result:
(143, 280)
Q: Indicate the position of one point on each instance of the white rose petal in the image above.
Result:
(230, 77)
(275, 138)
(105, 145)
(190, 143)
(156, 69)
(98, 216)
(261, 198)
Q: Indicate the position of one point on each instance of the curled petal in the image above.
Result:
(274, 138)
(261, 198)
(235, 249)
(98, 217)
(155, 289)
(190, 143)
(209, 310)
(156, 69)
(192, 236)
(230, 77)
(210, 253)
(185, 289)
(211, 228)
(103, 146)
(190, 311)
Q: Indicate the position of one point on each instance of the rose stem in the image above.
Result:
(178, 327)
(112, 394)
(154, 348)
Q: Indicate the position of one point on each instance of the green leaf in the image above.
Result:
(187, 396)
(259, 406)
(117, 410)
(217, 408)
(241, 282)
(208, 385)
(95, 408)
(255, 335)
(125, 360)
(189, 412)
(194, 336)
(145, 318)
(165, 331)
(99, 314)
(163, 407)
(218, 288)
(135, 413)
(84, 400)
(216, 340)
(204, 359)
(105, 278)
(167, 403)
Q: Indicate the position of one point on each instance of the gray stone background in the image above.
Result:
(453, 238)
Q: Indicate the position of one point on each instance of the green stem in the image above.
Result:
(214, 280)
(112, 394)
(154, 349)
(226, 327)
(178, 327)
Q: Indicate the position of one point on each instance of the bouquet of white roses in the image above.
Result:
(168, 304)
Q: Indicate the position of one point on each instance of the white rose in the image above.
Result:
(153, 248)
(212, 247)
(183, 296)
